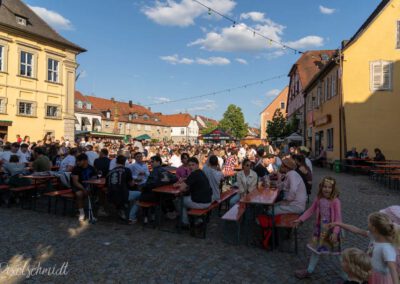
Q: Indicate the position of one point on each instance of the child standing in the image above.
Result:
(384, 239)
(325, 240)
(357, 266)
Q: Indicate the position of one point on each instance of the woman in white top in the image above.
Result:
(246, 181)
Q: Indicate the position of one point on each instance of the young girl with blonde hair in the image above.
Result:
(385, 238)
(327, 208)
(357, 265)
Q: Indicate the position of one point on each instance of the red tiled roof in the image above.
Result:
(309, 64)
(176, 120)
(209, 120)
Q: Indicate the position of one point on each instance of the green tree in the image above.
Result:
(209, 127)
(233, 122)
(277, 127)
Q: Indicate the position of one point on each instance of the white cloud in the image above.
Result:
(272, 93)
(184, 12)
(241, 61)
(213, 61)
(174, 59)
(326, 10)
(210, 61)
(158, 100)
(307, 42)
(54, 19)
(206, 105)
(275, 54)
(254, 16)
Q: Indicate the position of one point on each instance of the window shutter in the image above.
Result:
(386, 76)
(333, 85)
(376, 75)
(398, 35)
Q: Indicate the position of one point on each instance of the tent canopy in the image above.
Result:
(143, 137)
(294, 137)
(217, 134)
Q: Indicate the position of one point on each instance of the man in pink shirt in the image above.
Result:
(295, 193)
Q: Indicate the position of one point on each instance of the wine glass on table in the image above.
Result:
(99, 174)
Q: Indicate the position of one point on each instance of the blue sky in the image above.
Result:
(157, 51)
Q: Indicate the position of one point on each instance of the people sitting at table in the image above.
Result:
(81, 172)
(69, 162)
(119, 182)
(139, 169)
(246, 181)
(92, 155)
(24, 153)
(321, 158)
(14, 170)
(113, 162)
(364, 154)
(8, 151)
(353, 154)
(102, 163)
(41, 162)
(269, 162)
(199, 190)
(215, 177)
(293, 187)
(183, 171)
(259, 168)
(379, 157)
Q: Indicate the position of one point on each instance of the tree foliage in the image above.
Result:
(208, 128)
(233, 122)
(278, 128)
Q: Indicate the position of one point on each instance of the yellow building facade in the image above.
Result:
(371, 83)
(37, 76)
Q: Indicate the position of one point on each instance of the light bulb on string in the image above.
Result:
(209, 11)
(234, 24)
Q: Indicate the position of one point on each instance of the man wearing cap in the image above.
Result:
(295, 193)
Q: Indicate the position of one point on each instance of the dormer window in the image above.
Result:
(21, 20)
(134, 115)
(88, 106)
(130, 117)
(79, 104)
(108, 114)
(145, 117)
(156, 119)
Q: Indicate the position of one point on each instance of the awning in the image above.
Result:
(85, 121)
(96, 122)
(99, 134)
(143, 137)
(76, 120)
(5, 123)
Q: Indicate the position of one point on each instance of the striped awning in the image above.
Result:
(96, 122)
(5, 123)
(85, 121)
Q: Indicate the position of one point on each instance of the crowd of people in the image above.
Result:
(132, 170)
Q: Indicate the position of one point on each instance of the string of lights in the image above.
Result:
(228, 90)
(270, 41)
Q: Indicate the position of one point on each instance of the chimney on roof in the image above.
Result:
(149, 108)
(130, 103)
(344, 43)
(112, 99)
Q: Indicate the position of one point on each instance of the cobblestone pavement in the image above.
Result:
(114, 253)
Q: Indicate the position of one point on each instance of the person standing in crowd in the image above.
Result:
(119, 181)
(215, 177)
(198, 187)
(306, 153)
(81, 172)
(102, 163)
(295, 193)
(92, 155)
(41, 162)
(246, 181)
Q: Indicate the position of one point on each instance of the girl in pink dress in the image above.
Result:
(326, 207)
(384, 240)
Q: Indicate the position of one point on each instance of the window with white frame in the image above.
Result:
(79, 104)
(128, 126)
(182, 131)
(282, 105)
(147, 127)
(333, 86)
(381, 75)
(120, 125)
(398, 35)
(26, 64)
(2, 58)
(52, 111)
(52, 70)
(139, 127)
(107, 124)
(26, 108)
(88, 106)
(3, 105)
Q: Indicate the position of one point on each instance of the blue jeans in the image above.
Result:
(235, 199)
(133, 196)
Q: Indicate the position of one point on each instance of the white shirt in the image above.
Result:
(67, 161)
(175, 161)
(220, 162)
(309, 163)
(91, 157)
(295, 190)
(113, 164)
(24, 157)
(381, 254)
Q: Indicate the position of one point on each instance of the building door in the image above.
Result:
(3, 131)
(319, 140)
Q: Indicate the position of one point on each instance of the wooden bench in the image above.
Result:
(234, 214)
(55, 195)
(4, 187)
(358, 168)
(204, 214)
(67, 196)
(286, 221)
